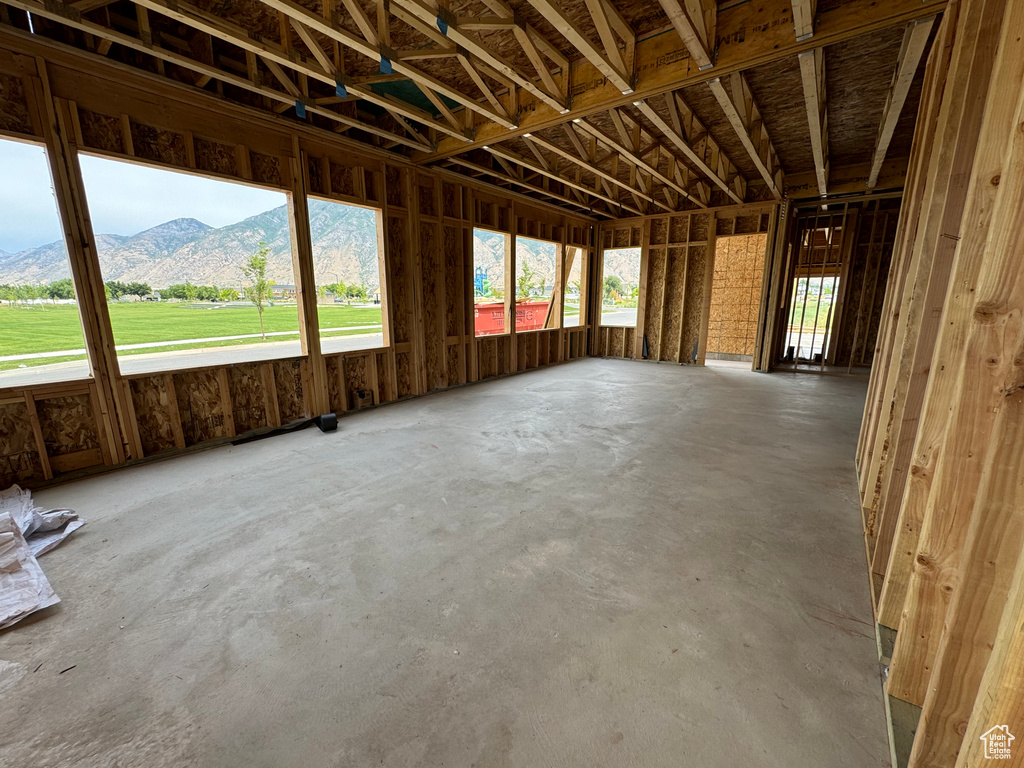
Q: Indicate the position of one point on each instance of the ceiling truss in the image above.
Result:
(638, 152)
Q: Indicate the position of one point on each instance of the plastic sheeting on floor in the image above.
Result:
(27, 531)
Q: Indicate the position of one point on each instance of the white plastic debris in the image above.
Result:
(44, 529)
(27, 531)
(23, 585)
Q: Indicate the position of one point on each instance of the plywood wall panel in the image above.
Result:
(68, 424)
(19, 453)
(200, 406)
(156, 413)
(290, 384)
(248, 397)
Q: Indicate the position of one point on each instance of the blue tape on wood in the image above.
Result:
(385, 65)
(340, 90)
(300, 109)
(443, 26)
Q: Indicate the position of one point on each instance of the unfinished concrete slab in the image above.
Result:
(603, 563)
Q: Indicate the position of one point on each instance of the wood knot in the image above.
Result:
(985, 314)
(996, 179)
(924, 561)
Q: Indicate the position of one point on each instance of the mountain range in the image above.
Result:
(344, 247)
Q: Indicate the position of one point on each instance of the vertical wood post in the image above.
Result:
(305, 281)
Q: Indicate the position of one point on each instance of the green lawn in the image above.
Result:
(54, 328)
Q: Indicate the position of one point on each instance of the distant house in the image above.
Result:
(281, 292)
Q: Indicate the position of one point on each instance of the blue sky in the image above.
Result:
(123, 198)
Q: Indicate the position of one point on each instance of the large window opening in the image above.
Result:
(536, 278)
(41, 337)
(349, 279)
(620, 284)
(814, 291)
(736, 297)
(198, 271)
(573, 303)
(490, 256)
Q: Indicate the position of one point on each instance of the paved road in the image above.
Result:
(193, 358)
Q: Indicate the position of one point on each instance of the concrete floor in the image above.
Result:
(604, 563)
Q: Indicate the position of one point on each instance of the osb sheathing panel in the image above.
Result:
(356, 375)
(265, 168)
(215, 157)
(101, 131)
(343, 181)
(433, 320)
(675, 274)
(453, 262)
(452, 364)
(404, 371)
(158, 145)
(19, 454)
(384, 379)
(736, 294)
(335, 391)
(200, 406)
(248, 397)
(398, 290)
(68, 424)
(693, 305)
(154, 412)
(655, 301)
(14, 112)
(291, 400)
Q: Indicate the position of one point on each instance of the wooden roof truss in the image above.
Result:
(633, 149)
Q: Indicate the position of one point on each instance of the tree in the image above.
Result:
(115, 289)
(137, 289)
(613, 285)
(60, 289)
(525, 283)
(257, 288)
(191, 291)
(207, 292)
(228, 294)
(8, 293)
(356, 292)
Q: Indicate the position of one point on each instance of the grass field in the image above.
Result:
(54, 328)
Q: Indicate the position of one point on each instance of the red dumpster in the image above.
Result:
(490, 318)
